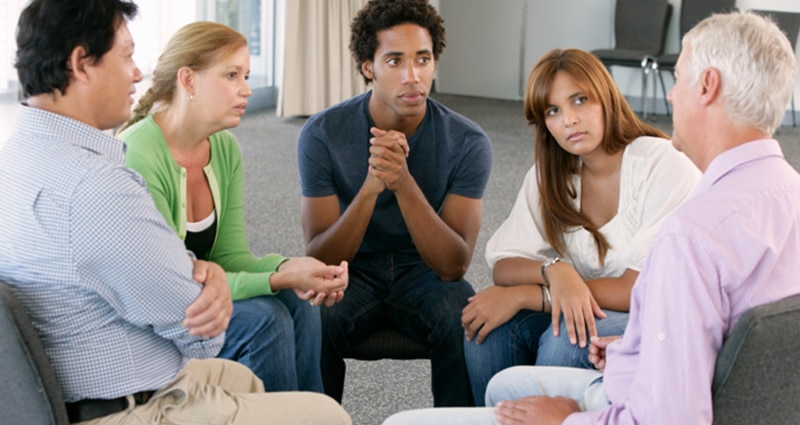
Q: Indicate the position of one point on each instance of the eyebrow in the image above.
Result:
(399, 53)
(571, 97)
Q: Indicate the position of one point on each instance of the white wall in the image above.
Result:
(485, 56)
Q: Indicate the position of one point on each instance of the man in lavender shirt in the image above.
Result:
(734, 244)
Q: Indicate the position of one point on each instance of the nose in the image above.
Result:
(137, 74)
(570, 117)
(246, 90)
(669, 95)
(412, 73)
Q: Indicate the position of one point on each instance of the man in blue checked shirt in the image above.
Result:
(119, 305)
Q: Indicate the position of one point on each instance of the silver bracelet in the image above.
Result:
(549, 262)
(546, 292)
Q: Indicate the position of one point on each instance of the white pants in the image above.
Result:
(582, 385)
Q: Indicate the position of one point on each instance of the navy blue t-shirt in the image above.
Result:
(447, 154)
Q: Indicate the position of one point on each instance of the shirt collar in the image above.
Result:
(733, 158)
(63, 129)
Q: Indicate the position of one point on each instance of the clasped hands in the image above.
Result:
(312, 280)
(387, 160)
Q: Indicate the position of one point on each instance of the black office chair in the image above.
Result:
(692, 12)
(640, 27)
(789, 22)
(387, 343)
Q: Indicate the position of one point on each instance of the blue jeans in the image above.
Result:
(402, 291)
(528, 339)
(278, 338)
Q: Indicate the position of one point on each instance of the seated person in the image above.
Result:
(194, 171)
(392, 181)
(566, 257)
(731, 246)
(107, 284)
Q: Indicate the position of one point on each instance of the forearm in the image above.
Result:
(342, 238)
(442, 248)
(517, 271)
(613, 293)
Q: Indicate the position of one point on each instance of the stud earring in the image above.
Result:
(190, 98)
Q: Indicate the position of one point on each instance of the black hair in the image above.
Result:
(49, 30)
(378, 15)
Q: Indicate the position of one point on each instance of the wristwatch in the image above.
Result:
(549, 262)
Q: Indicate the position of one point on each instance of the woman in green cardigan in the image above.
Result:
(178, 141)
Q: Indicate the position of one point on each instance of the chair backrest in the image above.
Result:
(694, 11)
(788, 22)
(29, 391)
(641, 25)
(756, 379)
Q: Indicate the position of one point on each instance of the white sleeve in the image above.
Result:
(522, 233)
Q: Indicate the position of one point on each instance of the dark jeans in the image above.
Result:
(402, 290)
(278, 338)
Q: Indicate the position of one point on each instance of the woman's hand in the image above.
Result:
(491, 308)
(572, 297)
(312, 280)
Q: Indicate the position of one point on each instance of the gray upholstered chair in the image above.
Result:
(29, 393)
(756, 380)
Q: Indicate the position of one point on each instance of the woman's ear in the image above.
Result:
(186, 79)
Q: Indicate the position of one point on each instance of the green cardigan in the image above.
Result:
(149, 154)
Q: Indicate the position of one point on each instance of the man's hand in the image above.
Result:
(597, 351)
(209, 315)
(387, 161)
(535, 410)
(487, 310)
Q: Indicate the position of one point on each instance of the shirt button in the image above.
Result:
(662, 336)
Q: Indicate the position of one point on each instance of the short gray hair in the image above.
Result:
(755, 61)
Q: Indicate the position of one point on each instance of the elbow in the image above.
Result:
(453, 273)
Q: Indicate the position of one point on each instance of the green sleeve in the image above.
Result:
(248, 275)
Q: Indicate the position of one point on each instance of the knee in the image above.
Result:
(505, 384)
(327, 410)
(264, 313)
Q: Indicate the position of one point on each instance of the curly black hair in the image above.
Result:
(378, 15)
(49, 30)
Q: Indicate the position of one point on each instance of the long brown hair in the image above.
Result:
(197, 45)
(556, 167)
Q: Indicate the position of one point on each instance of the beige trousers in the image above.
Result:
(216, 391)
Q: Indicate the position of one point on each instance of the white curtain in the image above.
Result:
(318, 69)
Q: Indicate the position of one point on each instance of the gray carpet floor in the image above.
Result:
(375, 390)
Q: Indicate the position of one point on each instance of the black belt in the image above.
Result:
(89, 409)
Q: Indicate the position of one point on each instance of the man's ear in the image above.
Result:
(366, 69)
(78, 63)
(710, 84)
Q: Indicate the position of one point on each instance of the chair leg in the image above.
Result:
(644, 92)
(664, 92)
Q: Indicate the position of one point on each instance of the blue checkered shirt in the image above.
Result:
(105, 281)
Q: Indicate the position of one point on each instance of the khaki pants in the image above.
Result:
(216, 391)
